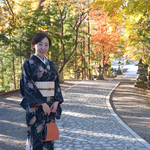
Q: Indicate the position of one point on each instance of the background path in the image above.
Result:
(132, 104)
(87, 124)
(12, 120)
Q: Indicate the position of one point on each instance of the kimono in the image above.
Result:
(35, 70)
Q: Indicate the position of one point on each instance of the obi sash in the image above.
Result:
(47, 88)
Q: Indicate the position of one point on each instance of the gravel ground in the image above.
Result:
(132, 105)
(68, 83)
(12, 120)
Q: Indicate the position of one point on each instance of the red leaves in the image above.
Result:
(105, 33)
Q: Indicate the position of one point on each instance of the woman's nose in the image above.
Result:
(42, 46)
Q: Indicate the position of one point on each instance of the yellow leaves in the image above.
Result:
(110, 6)
(129, 24)
(2, 29)
(133, 19)
(19, 5)
(134, 37)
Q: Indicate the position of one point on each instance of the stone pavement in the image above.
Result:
(87, 124)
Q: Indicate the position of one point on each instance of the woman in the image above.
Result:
(39, 101)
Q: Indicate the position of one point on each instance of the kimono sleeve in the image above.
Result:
(58, 93)
(30, 93)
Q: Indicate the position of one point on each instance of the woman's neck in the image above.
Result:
(40, 56)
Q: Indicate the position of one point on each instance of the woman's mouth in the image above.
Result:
(42, 52)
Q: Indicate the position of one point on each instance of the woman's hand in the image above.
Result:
(54, 107)
(46, 109)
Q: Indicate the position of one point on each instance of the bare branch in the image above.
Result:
(75, 47)
(39, 5)
(7, 2)
(62, 32)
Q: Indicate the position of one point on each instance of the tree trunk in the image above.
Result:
(2, 73)
(103, 59)
(14, 75)
(89, 70)
(20, 57)
(20, 62)
(82, 58)
(84, 76)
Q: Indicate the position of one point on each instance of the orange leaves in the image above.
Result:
(105, 33)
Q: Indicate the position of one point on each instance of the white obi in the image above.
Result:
(47, 88)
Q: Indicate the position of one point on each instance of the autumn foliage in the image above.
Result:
(104, 32)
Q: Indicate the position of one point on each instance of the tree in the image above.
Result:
(105, 34)
(22, 19)
(70, 16)
(134, 18)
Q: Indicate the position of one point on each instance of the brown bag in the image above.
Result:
(50, 132)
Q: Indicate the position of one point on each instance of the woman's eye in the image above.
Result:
(40, 44)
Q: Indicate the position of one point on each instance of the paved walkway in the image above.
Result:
(87, 123)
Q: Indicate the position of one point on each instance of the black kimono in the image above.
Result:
(35, 70)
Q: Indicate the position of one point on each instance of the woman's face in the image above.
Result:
(41, 48)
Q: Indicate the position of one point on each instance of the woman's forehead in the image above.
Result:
(44, 40)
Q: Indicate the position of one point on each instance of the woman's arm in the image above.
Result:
(31, 95)
(58, 94)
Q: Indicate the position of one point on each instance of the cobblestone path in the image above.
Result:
(87, 124)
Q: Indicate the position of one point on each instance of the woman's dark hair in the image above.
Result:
(38, 38)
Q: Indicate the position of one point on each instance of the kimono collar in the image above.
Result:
(44, 61)
(41, 59)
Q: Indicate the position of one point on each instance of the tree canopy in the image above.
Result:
(83, 33)
(134, 17)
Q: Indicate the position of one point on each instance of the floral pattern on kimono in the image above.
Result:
(35, 70)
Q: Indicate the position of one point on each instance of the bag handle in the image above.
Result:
(47, 119)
